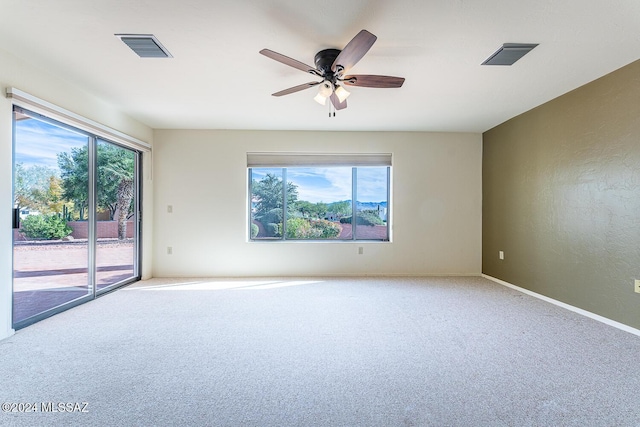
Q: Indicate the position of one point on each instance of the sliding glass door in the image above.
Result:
(75, 227)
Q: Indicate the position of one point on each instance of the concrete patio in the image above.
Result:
(48, 274)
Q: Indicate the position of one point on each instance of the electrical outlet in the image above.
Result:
(169, 209)
(169, 250)
(637, 287)
(501, 254)
(360, 250)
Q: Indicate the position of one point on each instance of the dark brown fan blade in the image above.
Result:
(336, 102)
(296, 88)
(368, 80)
(289, 61)
(354, 51)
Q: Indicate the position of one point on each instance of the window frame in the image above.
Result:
(284, 161)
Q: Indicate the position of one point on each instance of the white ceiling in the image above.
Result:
(217, 79)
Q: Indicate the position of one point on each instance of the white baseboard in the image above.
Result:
(586, 313)
(9, 333)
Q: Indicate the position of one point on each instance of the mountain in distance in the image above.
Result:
(364, 205)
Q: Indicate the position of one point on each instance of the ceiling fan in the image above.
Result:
(332, 66)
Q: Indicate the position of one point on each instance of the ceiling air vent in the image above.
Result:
(145, 45)
(509, 53)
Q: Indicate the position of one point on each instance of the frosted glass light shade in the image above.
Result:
(325, 91)
(322, 100)
(342, 93)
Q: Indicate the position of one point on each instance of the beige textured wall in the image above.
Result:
(436, 202)
(561, 198)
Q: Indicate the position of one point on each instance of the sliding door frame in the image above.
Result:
(92, 240)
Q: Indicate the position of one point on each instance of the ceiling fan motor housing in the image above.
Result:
(324, 60)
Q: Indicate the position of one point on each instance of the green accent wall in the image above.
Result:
(561, 198)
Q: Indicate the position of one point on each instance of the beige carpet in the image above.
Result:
(452, 351)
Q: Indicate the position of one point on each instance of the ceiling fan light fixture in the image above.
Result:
(322, 100)
(326, 89)
(342, 93)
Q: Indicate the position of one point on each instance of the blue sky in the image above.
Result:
(38, 142)
(333, 184)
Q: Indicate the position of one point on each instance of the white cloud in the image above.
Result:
(38, 143)
(332, 184)
(321, 184)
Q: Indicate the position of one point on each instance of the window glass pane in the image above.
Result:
(267, 203)
(115, 214)
(322, 202)
(372, 203)
(50, 250)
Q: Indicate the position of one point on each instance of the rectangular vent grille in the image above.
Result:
(145, 45)
(509, 53)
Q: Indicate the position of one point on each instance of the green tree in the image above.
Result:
(53, 195)
(38, 188)
(319, 210)
(304, 207)
(340, 208)
(115, 181)
(74, 169)
(312, 210)
(267, 195)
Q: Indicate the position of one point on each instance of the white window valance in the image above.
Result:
(271, 159)
(40, 106)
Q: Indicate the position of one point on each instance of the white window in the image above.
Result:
(321, 195)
